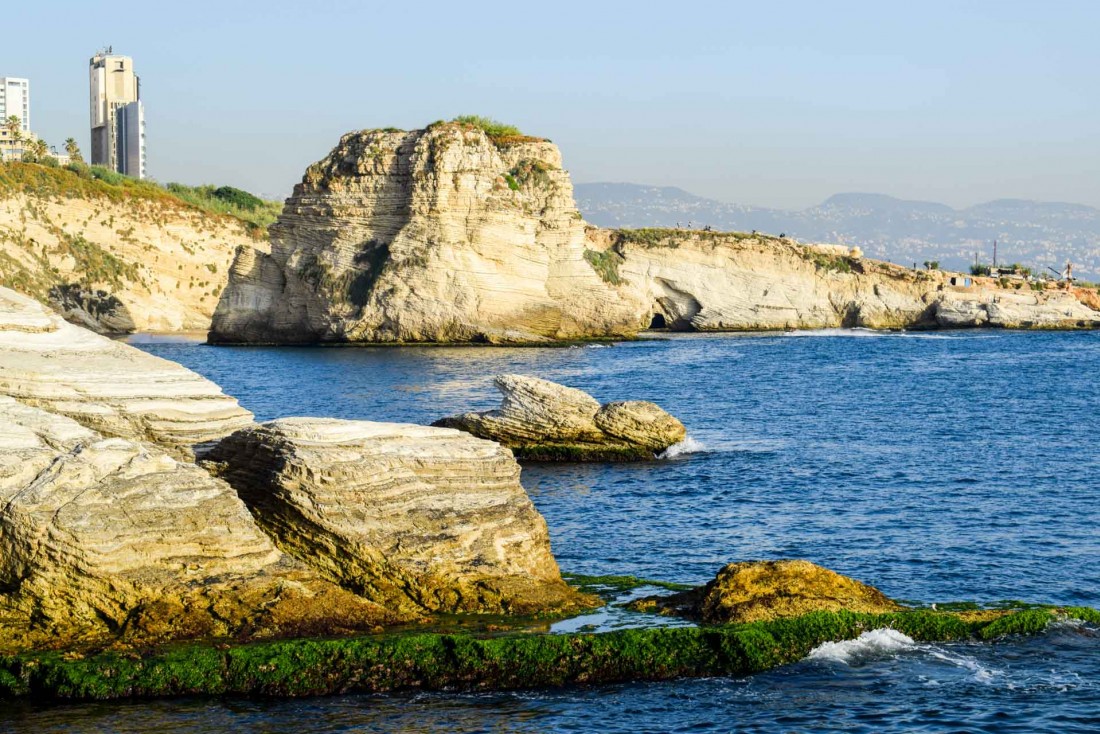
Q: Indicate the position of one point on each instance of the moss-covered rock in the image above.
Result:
(761, 590)
(466, 662)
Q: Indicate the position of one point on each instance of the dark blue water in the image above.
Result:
(938, 467)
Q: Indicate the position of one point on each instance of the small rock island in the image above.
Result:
(544, 421)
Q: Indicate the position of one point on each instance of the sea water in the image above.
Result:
(936, 466)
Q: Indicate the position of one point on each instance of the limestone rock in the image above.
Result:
(1052, 309)
(441, 234)
(542, 420)
(106, 537)
(106, 385)
(753, 591)
(115, 260)
(415, 518)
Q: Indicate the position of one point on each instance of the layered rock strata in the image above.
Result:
(544, 421)
(114, 259)
(108, 537)
(755, 591)
(435, 235)
(106, 385)
(448, 235)
(418, 519)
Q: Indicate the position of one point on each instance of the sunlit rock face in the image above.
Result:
(415, 518)
(107, 537)
(545, 421)
(440, 235)
(106, 385)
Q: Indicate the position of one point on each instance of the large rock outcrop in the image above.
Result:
(435, 235)
(108, 537)
(106, 385)
(449, 235)
(418, 519)
(114, 258)
(544, 421)
(754, 591)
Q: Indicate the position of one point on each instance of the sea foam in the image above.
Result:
(688, 446)
(871, 644)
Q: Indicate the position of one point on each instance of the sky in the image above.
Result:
(772, 104)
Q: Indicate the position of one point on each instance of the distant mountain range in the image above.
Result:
(1034, 233)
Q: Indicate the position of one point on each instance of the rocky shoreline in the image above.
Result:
(448, 235)
(156, 541)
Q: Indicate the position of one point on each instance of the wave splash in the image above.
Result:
(688, 446)
(871, 644)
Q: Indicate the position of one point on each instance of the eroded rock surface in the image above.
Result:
(441, 234)
(752, 591)
(108, 537)
(542, 420)
(415, 518)
(106, 385)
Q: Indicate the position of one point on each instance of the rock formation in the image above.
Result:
(753, 591)
(106, 385)
(543, 421)
(436, 235)
(105, 536)
(113, 258)
(449, 235)
(418, 519)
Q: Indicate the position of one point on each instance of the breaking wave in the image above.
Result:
(872, 644)
(688, 446)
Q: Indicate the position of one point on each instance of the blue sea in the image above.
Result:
(937, 466)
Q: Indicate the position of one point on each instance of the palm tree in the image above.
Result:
(74, 151)
(41, 150)
(15, 130)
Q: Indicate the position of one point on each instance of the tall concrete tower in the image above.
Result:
(15, 99)
(117, 114)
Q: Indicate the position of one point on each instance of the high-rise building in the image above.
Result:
(15, 99)
(117, 115)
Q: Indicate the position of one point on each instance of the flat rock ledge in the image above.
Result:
(544, 421)
(105, 385)
(418, 519)
(754, 591)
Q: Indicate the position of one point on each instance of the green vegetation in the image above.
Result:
(500, 133)
(931, 264)
(78, 180)
(827, 262)
(513, 184)
(427, 661)
(353, 286)
(980, 269)
(606, 264)
(611, 586)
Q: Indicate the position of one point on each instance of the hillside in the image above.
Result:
(116, 254)
(1039, 234)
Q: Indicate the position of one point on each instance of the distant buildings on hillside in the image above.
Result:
(117, 114)
(15, 100)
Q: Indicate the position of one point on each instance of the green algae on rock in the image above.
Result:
(419, 661)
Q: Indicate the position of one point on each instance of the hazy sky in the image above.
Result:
(774, 104)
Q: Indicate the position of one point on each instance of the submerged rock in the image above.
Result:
(418, 519)
(106, 385)
(752, 591)
(544, 421)
(108, 537)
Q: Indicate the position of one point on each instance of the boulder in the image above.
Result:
(106, 385)
(108, 537)
(753, 591)
(417, 519)
(544, 421)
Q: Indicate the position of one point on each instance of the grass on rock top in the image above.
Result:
(79, 181)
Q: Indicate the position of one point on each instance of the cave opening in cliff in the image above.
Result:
(658, 321)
